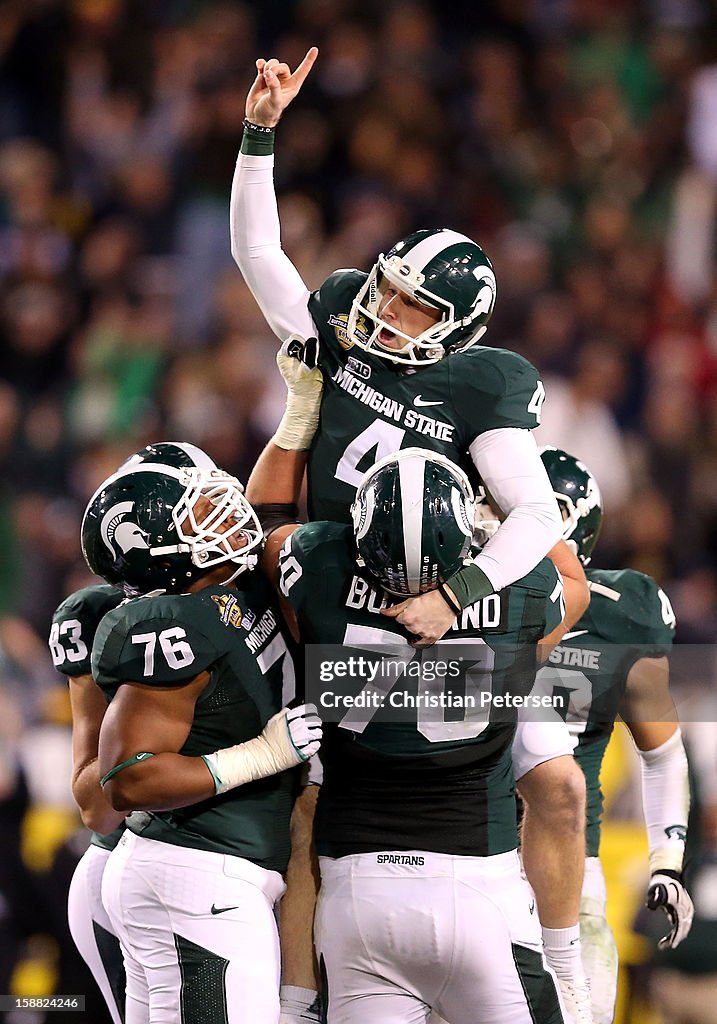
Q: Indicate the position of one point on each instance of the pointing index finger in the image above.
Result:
(306, 65)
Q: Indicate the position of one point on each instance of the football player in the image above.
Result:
(614, 662)
(276, 479)
(72, 634)
(195, 743)
(398, 350)
(552, 785)
(416, 825)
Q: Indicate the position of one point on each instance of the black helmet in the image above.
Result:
(578, 496)
(140, 530)
(413, 520)
(439, 268)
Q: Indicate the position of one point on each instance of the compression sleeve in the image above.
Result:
(510, 467)
(255, 235)
(666, 802)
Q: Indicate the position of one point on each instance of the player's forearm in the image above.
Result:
(96, 811)
(575, 585)
(161, 782)
(255, 235)
(666, 802)
(277, 476)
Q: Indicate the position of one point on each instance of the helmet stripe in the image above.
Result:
(411, 479)
(200, 458)
(420, 255)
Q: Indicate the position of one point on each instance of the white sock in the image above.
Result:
(562, 951)
(295, 999)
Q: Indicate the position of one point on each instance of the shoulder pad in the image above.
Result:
(333, 539)
(313, 550)
(629, 607)
(494, 388)
(339, 290)
(159, 641)
(74, 625)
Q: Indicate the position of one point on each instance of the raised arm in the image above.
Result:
(255, 232)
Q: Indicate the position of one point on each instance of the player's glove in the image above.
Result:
(298, 361)
(288, 739)
(305, 350)
(667, 893)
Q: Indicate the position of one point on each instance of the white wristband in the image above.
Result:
(666, 802)
(288, 739)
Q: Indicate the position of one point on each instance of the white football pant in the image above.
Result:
(459, 934)
(92, 930)
(198, 933)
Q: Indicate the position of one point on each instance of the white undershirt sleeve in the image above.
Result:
(511, 468)
(272, 278)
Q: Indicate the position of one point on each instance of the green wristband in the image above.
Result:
(469, 585)
(257, 140)
(143, 755)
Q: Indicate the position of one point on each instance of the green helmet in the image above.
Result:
(413, 520)
(141, 531)
(180, 454)
(439, 268)
(578, 496)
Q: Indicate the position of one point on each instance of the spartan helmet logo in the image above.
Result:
(485, 297)
(115, 529)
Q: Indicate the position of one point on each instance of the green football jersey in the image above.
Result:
(438, 780)
(74, 625)
(629, 617)
(371, 407)
(234, 634)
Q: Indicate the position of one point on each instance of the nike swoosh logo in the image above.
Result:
(221, 910)
(578, 632)
(420, 401)
(532, 907)
(141, 757)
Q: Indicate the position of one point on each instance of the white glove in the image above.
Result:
(297, 359)
(288, 738)
(667, 892)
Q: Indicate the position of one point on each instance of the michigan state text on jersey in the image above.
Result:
(397, 348)
(199, 663)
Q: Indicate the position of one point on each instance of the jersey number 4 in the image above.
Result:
(386, 438)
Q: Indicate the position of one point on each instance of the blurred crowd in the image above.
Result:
(575, 140)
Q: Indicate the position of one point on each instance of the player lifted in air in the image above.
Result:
(398, 350)
(422, 904)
